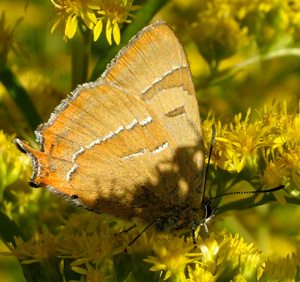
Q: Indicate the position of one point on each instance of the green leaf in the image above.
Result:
(9, 229)
(20, 97)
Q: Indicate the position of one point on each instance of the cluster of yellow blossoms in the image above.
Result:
(93, 14)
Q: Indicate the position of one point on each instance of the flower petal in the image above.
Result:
(98, 29)
(116, 33)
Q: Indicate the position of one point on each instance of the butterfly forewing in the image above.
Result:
(129, 144)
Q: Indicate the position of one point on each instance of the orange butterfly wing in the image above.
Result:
(129, 144)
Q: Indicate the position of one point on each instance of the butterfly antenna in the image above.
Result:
(210, 212)
(231, 193)
(212, 142)
(249, 192)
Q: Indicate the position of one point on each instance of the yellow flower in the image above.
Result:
(210, 249)
(115, 12)
(273, 173)
(40, 248)
(282, 156)
(236, 143)
(238, 253)
(199, 274)
(228, 27)
(172, 256)
(88, 238)
(13, 164)
(267, 149)
(92, 274)
(249, 264)
(221, 34)
(281, 270)
(70, 11)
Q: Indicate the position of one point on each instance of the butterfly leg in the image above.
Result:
(194, 226)
(140, 234)
(208, 216)
(128, 229)
(206, 228)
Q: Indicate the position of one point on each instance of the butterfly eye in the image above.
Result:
(208, 215)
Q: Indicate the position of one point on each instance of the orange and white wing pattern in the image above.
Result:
(129, 144)
(154, 67)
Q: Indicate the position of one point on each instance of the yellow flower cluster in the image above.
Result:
(225, 27)
(91, 14)
(172, 256)
(93, 252)
(90, 246)
(15, 170)
(13, 164)
(266, 150)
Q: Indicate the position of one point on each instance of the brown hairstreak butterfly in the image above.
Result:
(130, 143)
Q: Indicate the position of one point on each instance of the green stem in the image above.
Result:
(248, 203)
(20, 97)
(288, 52)
(81, 50)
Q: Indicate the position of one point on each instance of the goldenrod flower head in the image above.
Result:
(217, 32)
(249, 264)
(113, 12)
(86, 230)
(70, 11)
(228, 27)
(88, 245)
(282, 269)
(210, 249)
(235, 143)
(282, 155)
(91, 273)
(172, 256)
(40, 248)
(276, 19)
(200, 274)
(266, 149)
(273, 173)
(236, 251)
(89, 248)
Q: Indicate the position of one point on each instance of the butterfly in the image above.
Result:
(130, 144)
